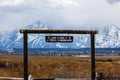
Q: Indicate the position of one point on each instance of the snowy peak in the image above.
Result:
(108, 37)
(37, 25)
(113, 31)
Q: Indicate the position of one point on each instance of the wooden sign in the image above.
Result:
(59, 38)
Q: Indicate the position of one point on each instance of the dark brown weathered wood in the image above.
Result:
(25, 56)
(59, 31)
(27, 31)
(92, 56)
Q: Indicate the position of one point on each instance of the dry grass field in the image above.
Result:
(58, 67)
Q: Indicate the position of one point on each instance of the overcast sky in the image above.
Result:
(58, 13)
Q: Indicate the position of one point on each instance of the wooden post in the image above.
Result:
(25, 56)
(92, 56)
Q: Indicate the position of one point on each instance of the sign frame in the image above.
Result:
(25, 44)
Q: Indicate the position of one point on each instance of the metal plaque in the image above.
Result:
(59, 38)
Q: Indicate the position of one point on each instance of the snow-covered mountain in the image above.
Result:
(108, 37)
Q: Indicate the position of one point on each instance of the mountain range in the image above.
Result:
(108, 37)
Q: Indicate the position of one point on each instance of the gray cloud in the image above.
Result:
(113, 1)
(69, 16)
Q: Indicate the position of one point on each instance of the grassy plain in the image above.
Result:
(60, 67)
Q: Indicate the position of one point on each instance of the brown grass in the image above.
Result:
(62, 67)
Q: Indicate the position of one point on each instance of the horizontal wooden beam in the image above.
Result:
(58, 31)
